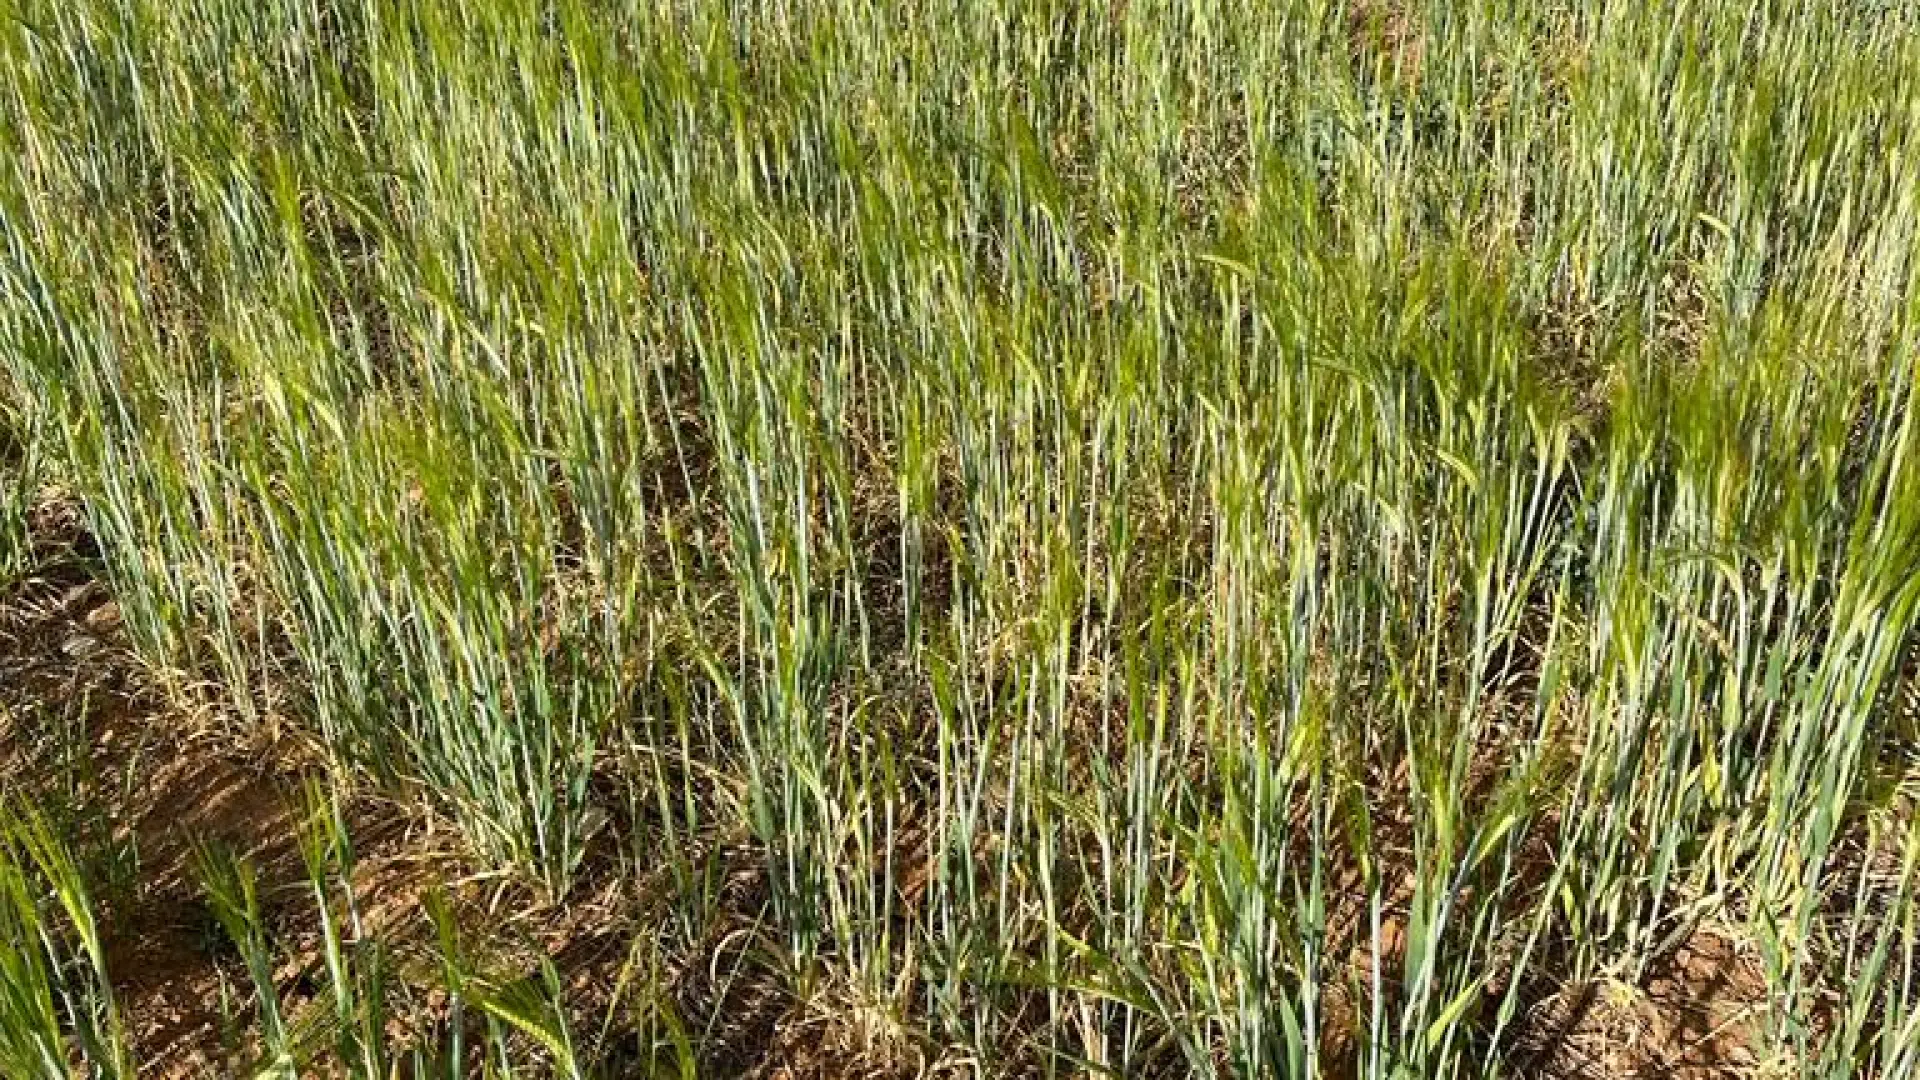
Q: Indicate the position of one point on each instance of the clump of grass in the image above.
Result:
(17, 487)
(57, 1005)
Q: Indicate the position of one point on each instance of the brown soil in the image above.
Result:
(1700, 1012)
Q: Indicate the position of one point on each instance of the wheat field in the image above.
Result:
(959, 538)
